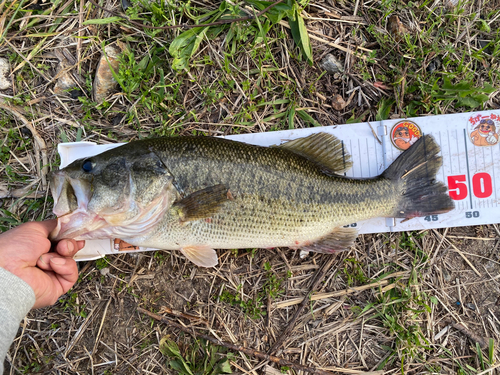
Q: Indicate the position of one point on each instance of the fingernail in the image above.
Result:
(70, 245)
(41, 259)
(58, 261)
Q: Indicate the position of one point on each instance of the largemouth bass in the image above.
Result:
(199, 194)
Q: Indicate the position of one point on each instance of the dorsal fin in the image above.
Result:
(323, 149)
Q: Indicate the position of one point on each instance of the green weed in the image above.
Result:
(425, 73)
(254, 307)
(401, 310)
(185, 46)
(201, 358)
(160, 257)
(101, 263)
(68, 303)
(353, 270)
(31, 368)
(407, 242)
(462, 94)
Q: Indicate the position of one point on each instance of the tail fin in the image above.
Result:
(415, 172)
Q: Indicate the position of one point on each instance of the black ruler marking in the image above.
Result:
(468, 173)
(343, 157)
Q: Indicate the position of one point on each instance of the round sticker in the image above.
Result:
(404, 134)
(483, 129)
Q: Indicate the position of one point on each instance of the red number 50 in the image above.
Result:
(482, 186)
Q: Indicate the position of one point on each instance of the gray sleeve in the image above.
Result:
(16, 299)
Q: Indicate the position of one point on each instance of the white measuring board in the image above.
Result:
(470, 149)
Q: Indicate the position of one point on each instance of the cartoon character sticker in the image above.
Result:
(483, 129)
(404, 134)
(121, 245)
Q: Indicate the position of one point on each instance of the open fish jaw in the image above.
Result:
(84, 223)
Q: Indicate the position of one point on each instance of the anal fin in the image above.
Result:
(202, 256)
(340, 239)
(202, 203)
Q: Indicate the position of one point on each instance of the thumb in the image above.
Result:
(42, 227)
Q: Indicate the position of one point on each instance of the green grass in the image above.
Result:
(254, 308)
(101, 263)
(401, 311)
(200, 358)
(354, 273)
(69, 303)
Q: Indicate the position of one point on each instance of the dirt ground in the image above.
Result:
(414, 303)
(341, 333)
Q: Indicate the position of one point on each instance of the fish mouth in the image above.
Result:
(76, 221)
(71, 199)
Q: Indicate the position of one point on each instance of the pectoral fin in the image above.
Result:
(202, 256)
(202, 204)
(340, 239)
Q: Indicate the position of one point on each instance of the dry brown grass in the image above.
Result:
(347, 328)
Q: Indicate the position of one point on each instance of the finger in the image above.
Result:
(81, 244)
(43, 227)
(65, 270)
(67, 248)
(43, 262)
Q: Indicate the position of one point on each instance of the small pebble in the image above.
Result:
(396, 28)
(5, 82)
(65, 84)
(126, 4)
(38, 5)
(331, 64)
(434, 65)
(338, 102)
(117, 119)
(446, 275)
(104, 82)
(104, 271)
(470, 306)
(450, 4)
(75, 93)
(483, 43)
(26, 132)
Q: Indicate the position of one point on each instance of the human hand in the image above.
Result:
(24, 252)
(491, 139)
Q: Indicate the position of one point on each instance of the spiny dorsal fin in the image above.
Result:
(323, 149)
(340, 239)
(202, 203)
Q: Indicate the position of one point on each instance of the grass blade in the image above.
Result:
(102, 21)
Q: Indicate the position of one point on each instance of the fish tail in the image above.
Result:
(414, 171)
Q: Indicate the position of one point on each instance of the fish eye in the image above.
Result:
(87, 166)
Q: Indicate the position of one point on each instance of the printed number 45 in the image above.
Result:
(431, 218)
